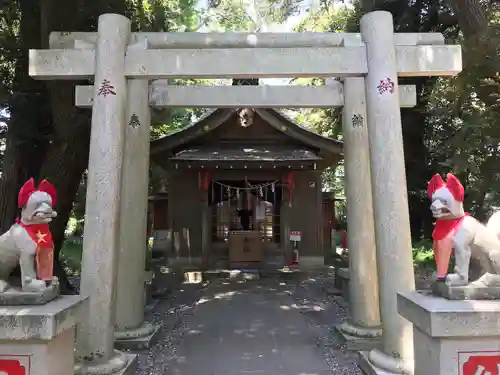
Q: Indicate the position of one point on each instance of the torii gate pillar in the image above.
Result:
(390, 201)
(363, 330)
(95, 338)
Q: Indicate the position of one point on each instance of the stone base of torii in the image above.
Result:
(121, 63)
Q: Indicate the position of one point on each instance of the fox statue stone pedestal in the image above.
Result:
(452, 337)
(38, 339)
(455, 326)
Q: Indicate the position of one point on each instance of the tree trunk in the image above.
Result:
(471, 17)
(64, 165)
(480, 49)
(367, 5)
(67, 158)
(10, 184)
(30, 121)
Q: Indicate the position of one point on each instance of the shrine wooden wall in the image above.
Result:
(305, 215)
(160, 215)
(184, 211)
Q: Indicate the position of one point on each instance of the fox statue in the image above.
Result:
(455, 229)
(29, 242)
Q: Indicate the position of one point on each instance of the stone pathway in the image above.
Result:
(265, 327)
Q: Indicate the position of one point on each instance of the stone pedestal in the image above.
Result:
(16, 297)
(453, 337)
(474, 291)
(162, 282)
(139, 338)
(162, 240)
(342, 282)
(39, 340)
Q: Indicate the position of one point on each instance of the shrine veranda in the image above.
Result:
(122, 64)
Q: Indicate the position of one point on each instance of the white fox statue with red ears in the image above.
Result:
(468, 237)
(29, 242)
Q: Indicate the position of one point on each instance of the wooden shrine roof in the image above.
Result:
(247, 153)
(172, 144)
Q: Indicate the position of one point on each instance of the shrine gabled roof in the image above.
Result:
(247, 153)
(277, 120)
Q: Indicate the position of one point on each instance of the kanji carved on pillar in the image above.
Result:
(385, 85)
(106, 88)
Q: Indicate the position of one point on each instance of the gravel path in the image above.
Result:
(323, 313)
(199, 334)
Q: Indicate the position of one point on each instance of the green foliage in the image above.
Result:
(327, 122)
(9, 50)
(455, 126)
(71, 255)
(249, 15)
(338, 19)
(465, 119)
(423, 256)
(164, 15)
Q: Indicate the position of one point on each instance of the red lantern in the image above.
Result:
(204, 183)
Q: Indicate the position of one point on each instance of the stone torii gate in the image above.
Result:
(349, 95)
(121, 64)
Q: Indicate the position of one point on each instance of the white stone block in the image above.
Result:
(247, 96)
(39, 340)
(62, 64)
(453, 337)
(414, 61)
(245, 62)
(243, 40)
(329, 96)
(43, 322)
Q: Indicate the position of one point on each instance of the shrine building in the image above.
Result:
(243, 185)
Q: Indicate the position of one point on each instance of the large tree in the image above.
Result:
(48, 137)
(30, 122)
(471, 17)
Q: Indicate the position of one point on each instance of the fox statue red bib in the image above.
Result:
(39, 232)
(443, 196)
(41, 235)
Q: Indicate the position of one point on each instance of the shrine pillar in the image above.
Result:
(95, 337)
(131, 331)
(206, 232)
(363, 331)
(204, 183)
(392, 225)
